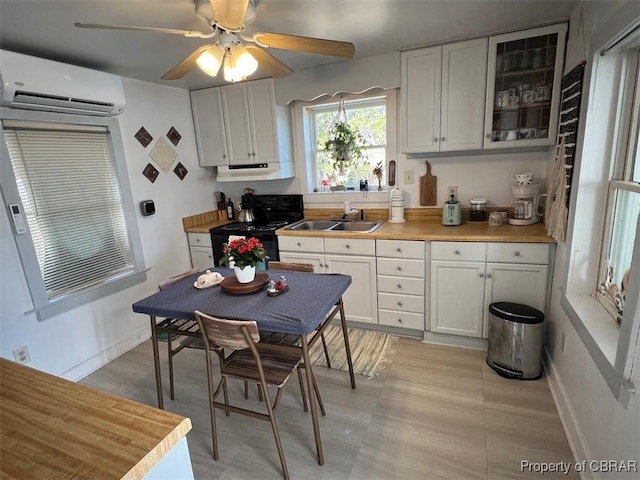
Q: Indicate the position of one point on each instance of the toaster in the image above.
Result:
(452, 212)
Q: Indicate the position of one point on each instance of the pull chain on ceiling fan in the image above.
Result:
(228, 19)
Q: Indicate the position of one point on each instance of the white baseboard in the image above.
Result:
(455, 340)
(567, 416)
(111, 353)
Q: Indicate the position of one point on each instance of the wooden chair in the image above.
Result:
(249, 361)
(280, 338)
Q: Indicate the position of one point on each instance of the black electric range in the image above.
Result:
(270, 212)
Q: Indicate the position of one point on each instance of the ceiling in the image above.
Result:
(46, 29)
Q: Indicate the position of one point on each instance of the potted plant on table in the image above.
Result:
(243, 254)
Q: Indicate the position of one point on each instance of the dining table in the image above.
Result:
(305, 309)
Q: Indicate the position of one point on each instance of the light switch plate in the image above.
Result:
(408, 177)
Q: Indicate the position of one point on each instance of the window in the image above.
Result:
(372, 115)
(623, 205)
(600, 297)
(66, 179)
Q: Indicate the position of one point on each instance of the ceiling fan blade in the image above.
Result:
(268, 63)
(306, 44)
(185, 66)
(186, 33)
(229, 14)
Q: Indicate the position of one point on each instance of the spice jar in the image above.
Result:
(478, 209)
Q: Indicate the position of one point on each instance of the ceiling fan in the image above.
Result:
(228, 19)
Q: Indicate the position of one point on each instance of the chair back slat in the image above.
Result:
(291, 266)
(227, 333)
(177, 278)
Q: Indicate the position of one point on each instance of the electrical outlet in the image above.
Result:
(408, 177)
(452, 191)
(21, 354)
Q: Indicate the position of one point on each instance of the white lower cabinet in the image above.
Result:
(354, 257)
(467, 277)
(401, 283)
(201, 250)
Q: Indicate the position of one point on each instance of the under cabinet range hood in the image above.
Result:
(256, 171)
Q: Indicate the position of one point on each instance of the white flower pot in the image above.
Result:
(246, 274)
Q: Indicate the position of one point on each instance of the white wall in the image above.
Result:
(598, 426)
(75, 343)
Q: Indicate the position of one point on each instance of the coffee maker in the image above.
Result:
(524, 209)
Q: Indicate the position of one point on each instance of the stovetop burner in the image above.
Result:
(250, 227)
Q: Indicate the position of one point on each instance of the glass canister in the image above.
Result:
(478, 210)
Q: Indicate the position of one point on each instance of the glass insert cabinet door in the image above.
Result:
(523, 87)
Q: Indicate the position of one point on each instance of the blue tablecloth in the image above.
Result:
(300, 310)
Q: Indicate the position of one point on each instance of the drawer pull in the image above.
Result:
(399, 268)
(399, 320)
(489, 275)
(399, 304)
(399, 286)
(347, 246)
(299, 244)
(399, 250)
(516, 253)
(457, 252)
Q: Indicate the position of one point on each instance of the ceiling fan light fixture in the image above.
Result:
(210, 60)
(238, 63)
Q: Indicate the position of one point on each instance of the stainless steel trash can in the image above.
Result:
(516, 338)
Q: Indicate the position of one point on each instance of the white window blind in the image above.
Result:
(73, 206)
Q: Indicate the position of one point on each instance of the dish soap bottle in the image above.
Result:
(231, 213)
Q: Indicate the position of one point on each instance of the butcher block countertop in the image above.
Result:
(421, 224)
(51, 428)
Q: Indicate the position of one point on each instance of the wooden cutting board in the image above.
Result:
(428, 188)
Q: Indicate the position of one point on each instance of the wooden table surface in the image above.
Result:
(51, 428)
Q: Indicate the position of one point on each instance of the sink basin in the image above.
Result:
(335, 226)
(356, 226)
(314, 225)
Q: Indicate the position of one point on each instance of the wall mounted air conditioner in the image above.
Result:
(37, 84)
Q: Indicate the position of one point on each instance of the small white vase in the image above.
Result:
(246, 274)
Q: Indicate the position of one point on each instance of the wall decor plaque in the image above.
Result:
(174, 136)
(181, 171)
(143, 137)
(150, 172)
(163, 154)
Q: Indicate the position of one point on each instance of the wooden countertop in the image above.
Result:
(421, 224)
(51, 428)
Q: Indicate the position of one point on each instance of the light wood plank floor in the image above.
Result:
(434, 412)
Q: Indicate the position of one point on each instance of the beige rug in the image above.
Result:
(370, 350)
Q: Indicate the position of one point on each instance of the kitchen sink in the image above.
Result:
(335, 226)
(356, 226)
(314, 225)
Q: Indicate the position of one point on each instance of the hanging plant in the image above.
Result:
(345, 143)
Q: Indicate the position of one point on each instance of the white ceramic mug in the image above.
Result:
(523, 178)
(512, 135)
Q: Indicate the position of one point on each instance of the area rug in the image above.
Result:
(370, 350)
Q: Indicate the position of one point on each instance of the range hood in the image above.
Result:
(256, 171)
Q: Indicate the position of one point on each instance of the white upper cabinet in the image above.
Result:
(442, 96)
(206, 106)
(523, 87)
(250, 122)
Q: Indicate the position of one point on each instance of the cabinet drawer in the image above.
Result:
(405, 303)
(199, 239)
(393, 318)
(300, 244)
(400, 249)
(518, 253)
(356, 246)
(409, 286)
(398, 267)
(468, 251)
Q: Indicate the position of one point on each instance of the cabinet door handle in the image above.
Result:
(489, 275)
(224, 155)
(436, 139)
(481, 275)
(326, 265)
(442, 139)
(516, 253)
(210, 256)
(487, 136)
(457, 252)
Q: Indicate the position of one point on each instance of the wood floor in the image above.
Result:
(434, 412)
